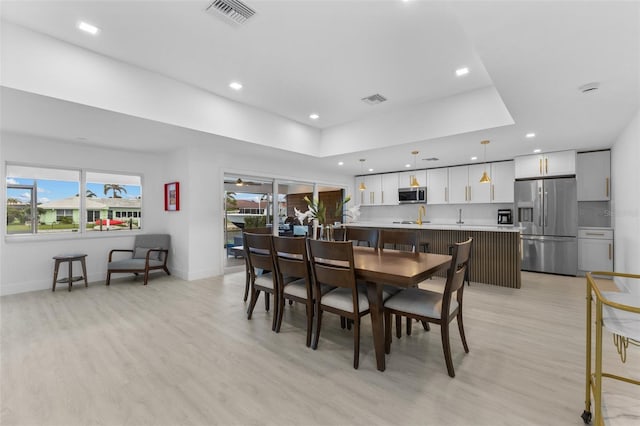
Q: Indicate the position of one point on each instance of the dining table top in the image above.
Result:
(399, 268)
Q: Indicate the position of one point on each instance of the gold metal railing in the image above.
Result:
(594, 373)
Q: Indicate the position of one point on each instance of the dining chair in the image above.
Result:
(339, 234)
(403, 240)
(259, 254)
(294, 277)
(435, 307)
(363, 236)
(332, 264)
(246, 264)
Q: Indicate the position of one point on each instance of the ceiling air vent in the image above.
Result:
(233, 10)
(374, 99)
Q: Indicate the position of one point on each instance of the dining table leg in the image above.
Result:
(374, 294)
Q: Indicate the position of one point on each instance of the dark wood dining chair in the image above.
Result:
(403, 240)
(363, 236)
(246, 264)
(434, 307)
(332, 264)
(339, 234)
(259, 254)
(294, 277)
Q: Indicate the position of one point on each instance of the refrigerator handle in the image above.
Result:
(545, 209)
(540, 212)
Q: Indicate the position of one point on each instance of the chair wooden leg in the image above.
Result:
(446, 348)
(398, 326)
(409, 326)
(461, 329)
(107, 283)
(309, 322)
(387, 332)
(343, 323)
(316, 337)
(252, 303)
(266, 301)
(247, 285)
(349, 322)
(356, 342)
(166, 270)
(146, 276)
(425, 325)
(280, 312)
(276, 305)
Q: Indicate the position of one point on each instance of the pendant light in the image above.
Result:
(485, 177)
(414, 180)
(362, 186)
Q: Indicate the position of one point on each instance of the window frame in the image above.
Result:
(82, 232)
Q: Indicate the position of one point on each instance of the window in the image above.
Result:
(43, 200)
(118, 195)
(38, 198)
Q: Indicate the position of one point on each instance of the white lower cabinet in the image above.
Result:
(595, 250)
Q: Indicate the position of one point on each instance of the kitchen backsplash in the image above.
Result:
(472, 214)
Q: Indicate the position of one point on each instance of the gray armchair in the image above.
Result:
(150, 252)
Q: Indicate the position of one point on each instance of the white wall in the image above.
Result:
(196, 230)
(625, 180)
(26, 262)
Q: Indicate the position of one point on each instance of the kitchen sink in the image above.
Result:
(411, 222)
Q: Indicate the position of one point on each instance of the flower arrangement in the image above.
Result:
(317, 209)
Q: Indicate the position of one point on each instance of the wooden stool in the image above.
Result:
(70, 278)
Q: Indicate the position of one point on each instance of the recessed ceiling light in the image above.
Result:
(537, 151)
(462, 71)
(88, 28)
(407, 165)
(235, 85)
(370, 170)
(314, 116)
(474, 158)
(530, 135)
(340, 163)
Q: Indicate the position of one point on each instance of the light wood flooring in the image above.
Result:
(183, 353)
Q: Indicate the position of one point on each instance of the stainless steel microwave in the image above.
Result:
(412, 195)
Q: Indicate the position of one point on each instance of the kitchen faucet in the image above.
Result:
(459, 222)
(421, 212)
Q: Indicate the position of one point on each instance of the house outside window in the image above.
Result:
(47, 200)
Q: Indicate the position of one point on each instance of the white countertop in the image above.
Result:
(436, 226)
(603, 228)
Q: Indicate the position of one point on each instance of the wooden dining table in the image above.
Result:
(380, 267)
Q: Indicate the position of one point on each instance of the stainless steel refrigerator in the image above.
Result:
(547, 212)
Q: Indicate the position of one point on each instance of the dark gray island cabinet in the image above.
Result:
(496, 251)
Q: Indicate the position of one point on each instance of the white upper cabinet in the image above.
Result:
(380, 190)
(437, 186)
(502, 178)
(593, 176)
(465, 186)
(549, 164)
(389, 195)
(404, 178)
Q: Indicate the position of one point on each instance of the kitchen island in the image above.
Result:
(495, 255)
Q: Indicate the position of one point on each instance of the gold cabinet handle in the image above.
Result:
(469, 193)
(610, 251)
(595, 234)
(546, 166)
(607, 186)
(493, 192)
(381, 197)
(446, 194)
(540, 164)
(371, 197)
